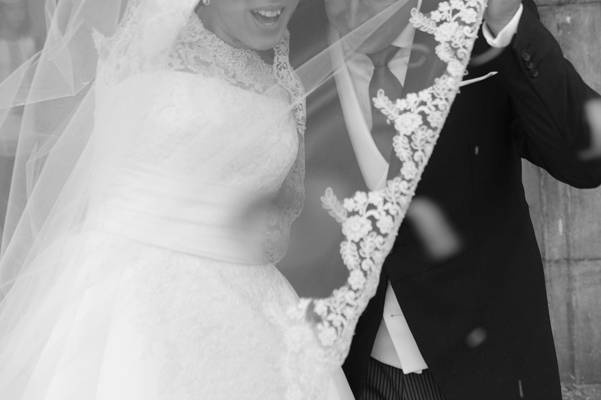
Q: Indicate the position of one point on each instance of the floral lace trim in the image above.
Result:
(370, 221)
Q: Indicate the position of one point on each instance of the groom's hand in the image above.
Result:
(499, 13)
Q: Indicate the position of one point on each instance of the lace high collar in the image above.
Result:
(199, 49)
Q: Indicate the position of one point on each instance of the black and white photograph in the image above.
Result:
(300, 200)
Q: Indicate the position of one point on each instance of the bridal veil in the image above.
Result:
(332, 255)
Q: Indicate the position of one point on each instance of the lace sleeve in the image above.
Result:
(290, 201)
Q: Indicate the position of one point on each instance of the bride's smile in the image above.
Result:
(268, 16)
(253, 24)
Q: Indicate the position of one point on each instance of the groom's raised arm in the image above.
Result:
(548, 98)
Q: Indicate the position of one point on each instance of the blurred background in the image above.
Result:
(567, 221)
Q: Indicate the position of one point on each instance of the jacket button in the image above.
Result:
(534, 73)
(526, 56)
(530, 65)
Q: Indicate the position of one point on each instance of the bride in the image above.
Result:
(154, 196)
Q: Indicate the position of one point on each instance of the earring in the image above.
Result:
(206, 2)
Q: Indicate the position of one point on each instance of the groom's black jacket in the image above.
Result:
(495, 288)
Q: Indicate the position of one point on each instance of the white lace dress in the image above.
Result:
(172, 297)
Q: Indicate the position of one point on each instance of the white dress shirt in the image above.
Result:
(395, 344)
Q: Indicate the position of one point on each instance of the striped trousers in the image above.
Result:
(388, 383)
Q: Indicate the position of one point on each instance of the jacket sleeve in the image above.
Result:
(548, 98)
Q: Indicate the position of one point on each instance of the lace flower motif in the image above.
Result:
(370, 221)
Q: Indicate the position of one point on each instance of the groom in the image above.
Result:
(471, 322)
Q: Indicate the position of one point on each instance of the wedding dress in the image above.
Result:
(188, 305)
(142, 265)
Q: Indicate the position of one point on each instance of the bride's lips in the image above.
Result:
(268, 17)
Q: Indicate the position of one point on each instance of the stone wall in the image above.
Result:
(568, 221)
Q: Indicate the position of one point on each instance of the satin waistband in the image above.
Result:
(220, 243)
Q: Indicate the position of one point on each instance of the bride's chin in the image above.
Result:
(263, 43)
(265, 36)
(258, 43)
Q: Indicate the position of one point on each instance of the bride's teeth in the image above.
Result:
(270, 13)
(268, 16)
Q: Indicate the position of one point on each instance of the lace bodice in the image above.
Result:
(212, 141)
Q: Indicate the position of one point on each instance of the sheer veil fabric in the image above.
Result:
(159, 178)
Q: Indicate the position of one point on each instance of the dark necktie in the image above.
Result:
(384, 79)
